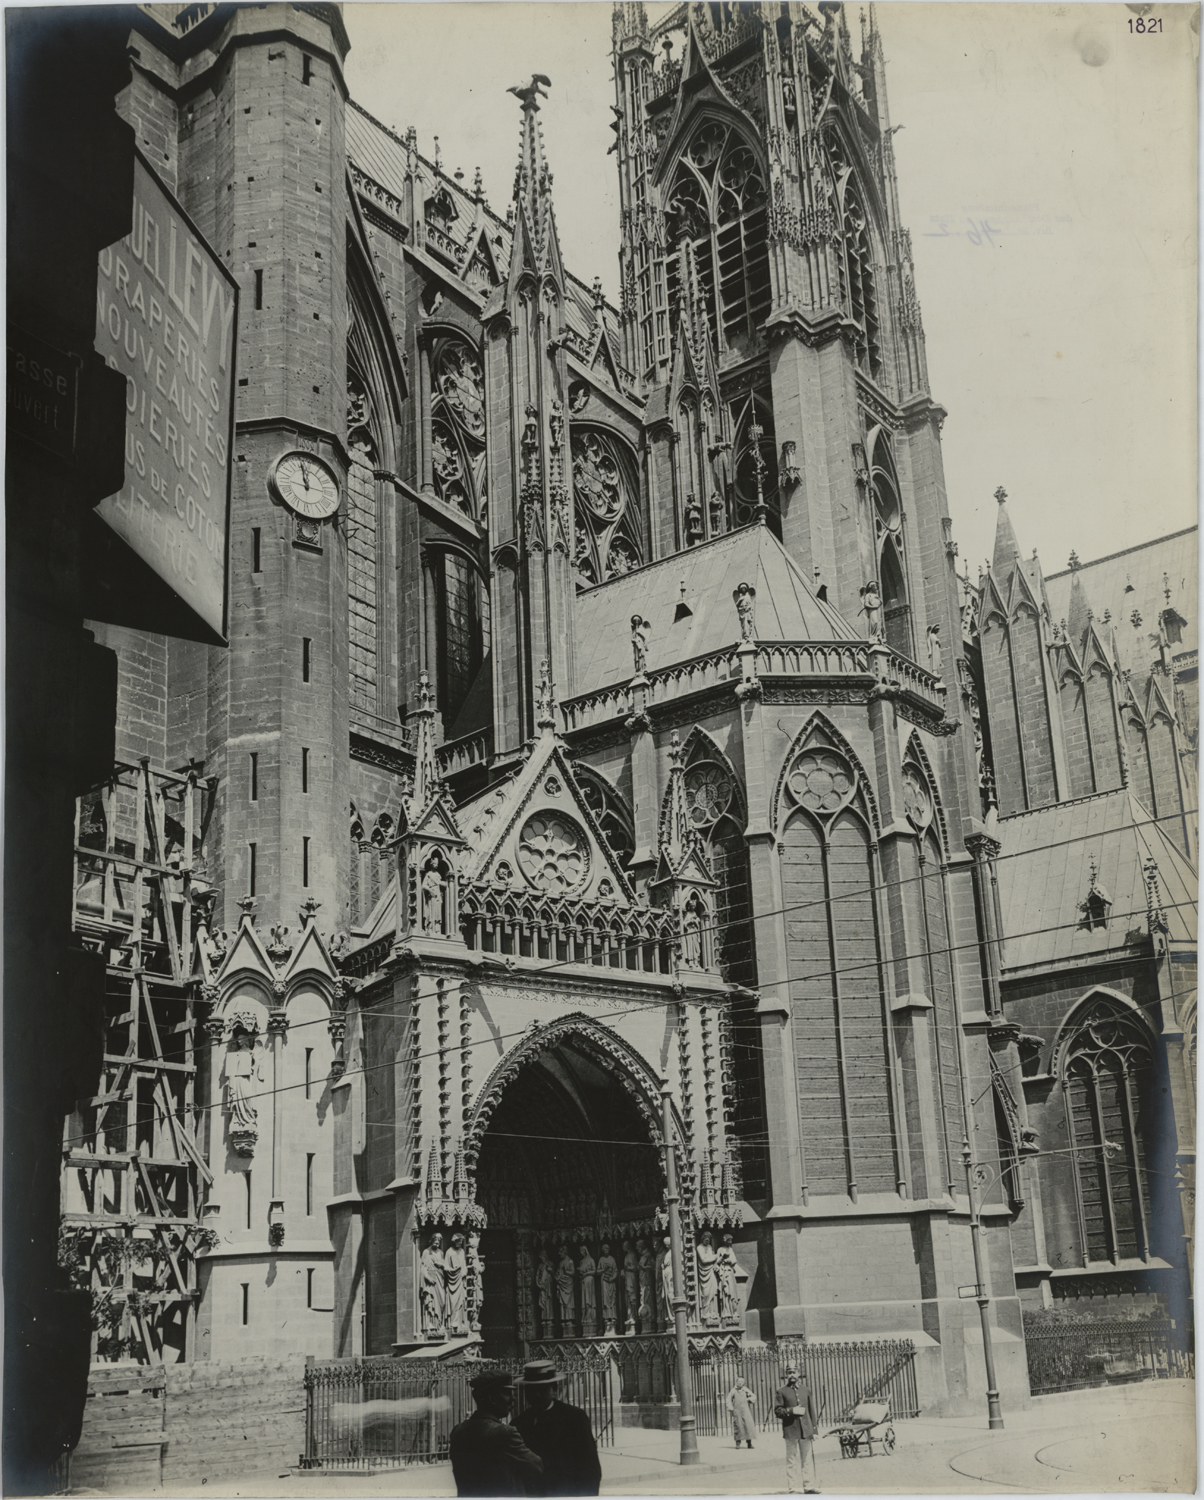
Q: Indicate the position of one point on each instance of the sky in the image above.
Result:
(1047, 171)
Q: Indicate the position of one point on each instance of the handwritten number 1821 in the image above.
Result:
(1142, 25)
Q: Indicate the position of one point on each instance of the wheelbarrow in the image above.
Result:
(868, 1423)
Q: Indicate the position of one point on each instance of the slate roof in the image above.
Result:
(1141, 567)
(787, 608)
(1045, 872)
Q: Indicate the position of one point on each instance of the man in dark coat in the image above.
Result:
(561, 1434)
(488, 1455)
(794, 1406)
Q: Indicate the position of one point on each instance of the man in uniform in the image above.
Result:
(794, 1406)
(561, 1434)
(488, 1455)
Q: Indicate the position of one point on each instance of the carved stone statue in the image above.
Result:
(639, 641)
(934, 650)
(566, 1275)
(588, 1268)
(871, 608)
(746, 608)
(729, 1292)
(691, 935)
(708, 1281)
(545, 1280)
(647, 1268)
(608, 1274)
(242, 1073)
(433, 887)
(476, 1272)
(630, 1283)
(432, 1287)
(665, 1265)
(455, 1277)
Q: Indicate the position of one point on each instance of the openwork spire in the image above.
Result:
(677, 836)
(533, 179)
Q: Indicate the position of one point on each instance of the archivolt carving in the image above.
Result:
(604, 1047)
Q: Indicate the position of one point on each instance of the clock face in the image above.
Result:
(307, 485)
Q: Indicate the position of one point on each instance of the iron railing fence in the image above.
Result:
(381, 1412)
(839, 1374)
(1066, 1356)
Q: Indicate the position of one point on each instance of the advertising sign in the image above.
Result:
(167, 318)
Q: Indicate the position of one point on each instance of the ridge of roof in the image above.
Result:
(1124, 552)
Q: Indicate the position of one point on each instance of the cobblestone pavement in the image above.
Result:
(1135, 1438)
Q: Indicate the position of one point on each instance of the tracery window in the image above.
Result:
(856, 263)
(841, 1045)
(458, 612)
(613, 814)
(458, 426)
(888, 544)
(717, 211)
(607, 535)
(1108, 1078)
(717, 813)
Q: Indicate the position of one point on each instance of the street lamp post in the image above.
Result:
(685, 1387)
(994, 1415)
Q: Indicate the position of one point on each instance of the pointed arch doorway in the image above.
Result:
(569, 1159)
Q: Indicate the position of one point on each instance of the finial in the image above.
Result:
(478, 186)
(532, 92)
(247, 905)
(1001, 494)
(1166, 587)
(308, 912)
(675, 748)
(599, 299)
(438, 158)
(424, 694)
(458, 174)
(1073, 562)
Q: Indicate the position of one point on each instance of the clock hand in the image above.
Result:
(304, 474)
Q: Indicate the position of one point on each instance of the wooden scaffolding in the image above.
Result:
(134, 1166)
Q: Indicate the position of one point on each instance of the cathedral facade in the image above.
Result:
(607, 747)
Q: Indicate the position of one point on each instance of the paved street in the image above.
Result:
(1137, 1438)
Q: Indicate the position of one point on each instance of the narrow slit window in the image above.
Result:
(304, 769)
(251, 848)
(246, 1303)
(247, 1180)
(309, 1185)
(256, 534)
(306, 655)
(307, 68)
(305, 860)
(254, 777)
(309, 1071)
(309, 1286)
(259, 289)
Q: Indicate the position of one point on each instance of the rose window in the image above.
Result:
(821, 782)
(553, 853)
(708, 794)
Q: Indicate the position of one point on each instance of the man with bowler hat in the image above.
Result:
(488, 1455)
(794, 1407)
(561, 1434)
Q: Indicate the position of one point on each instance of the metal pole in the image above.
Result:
(685, 1388)
(994, 1415)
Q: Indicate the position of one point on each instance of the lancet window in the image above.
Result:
(889, 544)
(612, 812)
(457, 612)
(716, 810)
(1108, 1078)
(833, 952)
(856, 263)
(458, 425)
(716, 207)
(607, 533)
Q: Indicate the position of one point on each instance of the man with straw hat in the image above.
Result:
(488, 1455)
(561, 1434)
